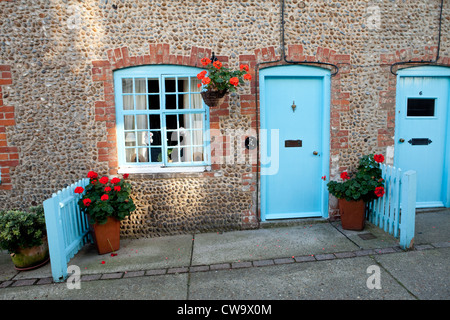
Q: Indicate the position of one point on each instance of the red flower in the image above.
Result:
(206, 80)
(201, 75)
(125, 175)
(244, 67)
(104, 197)
(205, 61)
(92, 175)
(79, 190)
(117, 188)
(217, 64)
(199, 85)
(115, 180)
(94, 181)
(378, 158)
(87, 202)
(344, 175)
(247, 76)
(234, 81)
(379, 191)
(103, 180)
(107, 189)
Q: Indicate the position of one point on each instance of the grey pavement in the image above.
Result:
(310, 259)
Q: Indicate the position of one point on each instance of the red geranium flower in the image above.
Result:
(104, 197)
(115, 180)
(92, 175)
(344, 175)
(103, 180)
(117, 188)
(87, 202)
(247, 76)
(79, 190)
(125, 175)
(217, 64)
(244, 67)
(107, 189)
(379, 191)
(206, 80)
(201, 75)
(234, 81)
(378, 158)
(205, 61)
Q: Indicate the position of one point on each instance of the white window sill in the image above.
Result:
(158, 169)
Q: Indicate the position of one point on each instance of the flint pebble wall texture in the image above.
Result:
(57, 60)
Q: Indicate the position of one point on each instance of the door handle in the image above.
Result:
(315, 153)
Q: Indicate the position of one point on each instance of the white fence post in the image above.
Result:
(408, 210)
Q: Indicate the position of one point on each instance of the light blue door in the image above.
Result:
(422, 121)
(295, 147)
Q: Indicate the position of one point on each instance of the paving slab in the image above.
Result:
(320, 280)
(165, 287)
(432, 226)
(261, 244)
(425, 273)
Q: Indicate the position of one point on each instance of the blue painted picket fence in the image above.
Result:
(395, 212)
(67, 228)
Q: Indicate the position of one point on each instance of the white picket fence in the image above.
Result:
(67, 228)
(395, 212)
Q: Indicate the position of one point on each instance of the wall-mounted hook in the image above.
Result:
(293, 106)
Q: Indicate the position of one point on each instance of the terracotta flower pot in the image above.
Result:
(31, 258)
(213, 98)
(353, 214)
(106, 236)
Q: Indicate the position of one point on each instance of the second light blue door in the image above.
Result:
(294, 125)
(422, 132)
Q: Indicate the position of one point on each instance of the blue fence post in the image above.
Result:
(56, 243)
(408, 209)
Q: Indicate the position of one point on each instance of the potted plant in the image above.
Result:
(218, 80)
(23, 234)
(365, 185)
(106, 202)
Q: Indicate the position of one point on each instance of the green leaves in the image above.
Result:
(363, 183)
(22, 228)
(118, 204)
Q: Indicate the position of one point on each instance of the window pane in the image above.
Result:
(127, 85)
(139, 85)
(142, 154)
(186, 154)
(171, 101)
(196, 101)
(170, 85)
(130, 139)
(153, 102)
(172, 138)
(183, 101)
(183, 84)
(142, 121)
(195, 85)
(420, 107)
(198, 154)
(128, 122)
(155, 121)
(156, 155)
(171, 122)
(153, 85)
(155, 138)
(197, 120)
(130, 155)
(143, 138)
(141, 102)
(197, 137)
(128, 102)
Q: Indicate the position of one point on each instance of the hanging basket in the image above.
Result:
(213, 98)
